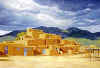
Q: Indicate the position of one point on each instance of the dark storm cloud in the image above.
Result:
(72, 5)
(6, 16)
(20, 14)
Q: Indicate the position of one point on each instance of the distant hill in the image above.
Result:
(54, 30)
(13, 33)
(10, 36)
(78, 33)
(70, 32)
(7, 38)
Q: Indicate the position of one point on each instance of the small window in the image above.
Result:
(6, 48)
(44, 51)
(17, 49)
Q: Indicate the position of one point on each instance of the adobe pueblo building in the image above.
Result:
(38, 43)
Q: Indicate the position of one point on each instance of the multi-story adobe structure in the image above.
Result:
(36, 42)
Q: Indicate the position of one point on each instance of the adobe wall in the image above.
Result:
(15, 51)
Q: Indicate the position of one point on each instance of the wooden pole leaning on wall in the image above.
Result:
(98, 52)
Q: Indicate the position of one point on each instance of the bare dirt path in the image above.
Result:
(49, 62)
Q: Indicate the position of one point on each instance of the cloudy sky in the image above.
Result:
(21, 14)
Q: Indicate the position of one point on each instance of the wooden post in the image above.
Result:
(98, 52)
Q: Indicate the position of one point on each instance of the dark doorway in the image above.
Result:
(25, 51)
(6, 50)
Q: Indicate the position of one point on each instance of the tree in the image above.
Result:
(19, 35)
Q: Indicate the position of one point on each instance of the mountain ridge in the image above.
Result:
(70, 32)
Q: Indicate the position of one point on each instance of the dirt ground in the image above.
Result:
(49, 62)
